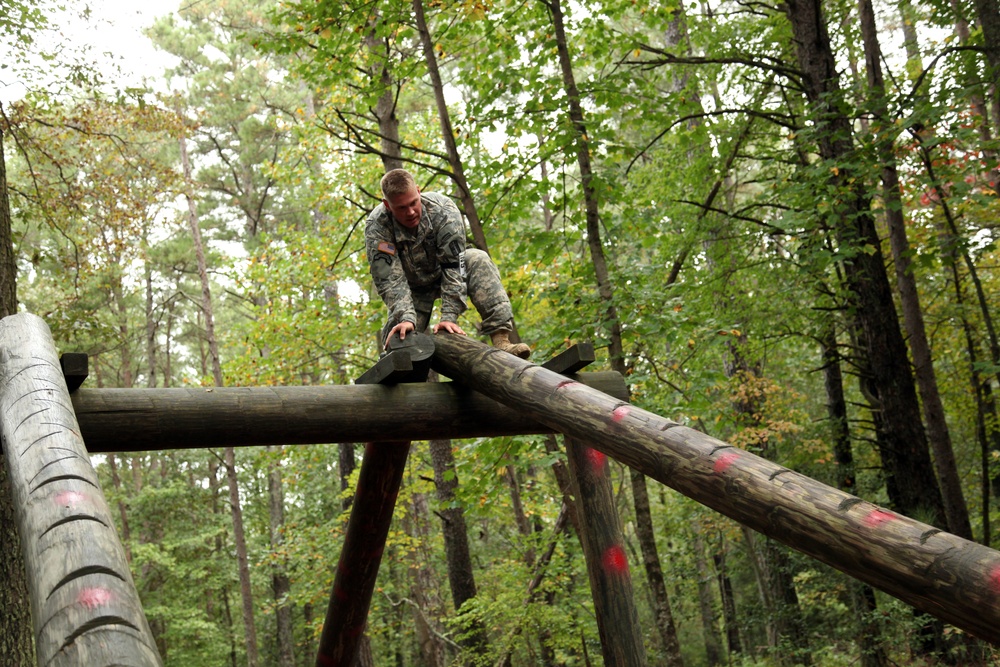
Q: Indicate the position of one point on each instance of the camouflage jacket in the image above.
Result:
(426, 256)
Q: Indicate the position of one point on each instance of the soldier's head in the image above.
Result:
(401, 196)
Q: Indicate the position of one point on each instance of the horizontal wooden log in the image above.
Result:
(942, 574)
(84, 606)
(123, 420)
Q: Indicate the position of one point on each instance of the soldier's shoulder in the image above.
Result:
(436, 199)
(378, 219)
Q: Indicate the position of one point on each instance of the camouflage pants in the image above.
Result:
(483, 287)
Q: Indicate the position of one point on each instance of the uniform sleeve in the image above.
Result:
(386, 269)
(451, 247)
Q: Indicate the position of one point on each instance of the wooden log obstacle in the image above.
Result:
(83, 599)
(952, 578)
(84, 606)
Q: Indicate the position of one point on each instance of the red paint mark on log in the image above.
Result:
(723, 462)
(995, 578)
(620, 413)
(91, 598)
(876, 518)
(70, 498)
(566, 383)
(614, 560)
(596, 460)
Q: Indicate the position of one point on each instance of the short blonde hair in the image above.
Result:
(397, 182)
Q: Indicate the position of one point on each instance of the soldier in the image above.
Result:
(416, 252)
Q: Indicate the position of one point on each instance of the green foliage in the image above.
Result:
(716, 216)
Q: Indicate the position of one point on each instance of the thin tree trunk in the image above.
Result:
(654, 573)
(16, 642)
(280, 583)
(461, 576)
(706, 609)
(734, 642)
(126, 531)
(862, 596)
(150, 320)
(239, 536)
(385, 108)
(447, 133)
(423, 586)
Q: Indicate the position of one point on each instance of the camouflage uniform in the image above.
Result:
(412, 268)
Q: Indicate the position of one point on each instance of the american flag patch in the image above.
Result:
(387, 248)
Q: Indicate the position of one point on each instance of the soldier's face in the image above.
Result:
(405, 207)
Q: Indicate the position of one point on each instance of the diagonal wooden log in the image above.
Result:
(354, 582)
(84, 606)
(126, 420)
(952, 578)
(378, 486)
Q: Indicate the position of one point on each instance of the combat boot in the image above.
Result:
(501, 341)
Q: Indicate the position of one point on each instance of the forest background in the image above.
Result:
(777, 221)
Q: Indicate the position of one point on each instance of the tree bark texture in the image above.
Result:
(607, 563)
(242, 560)
(942, 574)
(862, 596)
(591, 205)
(447, 133)
(354, 582)
(281, 586)
(124, 420)
(654, 572)
(461, 576)
(938, 435)
(15, 622)
(84, 606)
(886, 378)
(706, 608)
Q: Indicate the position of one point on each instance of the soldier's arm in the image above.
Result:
(387, 273)
(451, 245)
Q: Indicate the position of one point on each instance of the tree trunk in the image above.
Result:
(385, 108)
(706, 608)
(242, 560)
(734, 643)
(280, 583)
(423, 586)
(447, 133)
(15, 621)
(862, 596)
(148, 315)
(654, 573)
(456, 540)
(239, 537)
(887, 382)
(956, 512)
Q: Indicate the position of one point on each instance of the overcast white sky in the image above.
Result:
(116, 28)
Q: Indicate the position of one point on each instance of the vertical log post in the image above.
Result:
(602, 537)
(84, 606)
(947, 576)
(607, 563)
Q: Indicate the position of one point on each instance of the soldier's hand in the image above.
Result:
(402, 328)
(450, 327)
